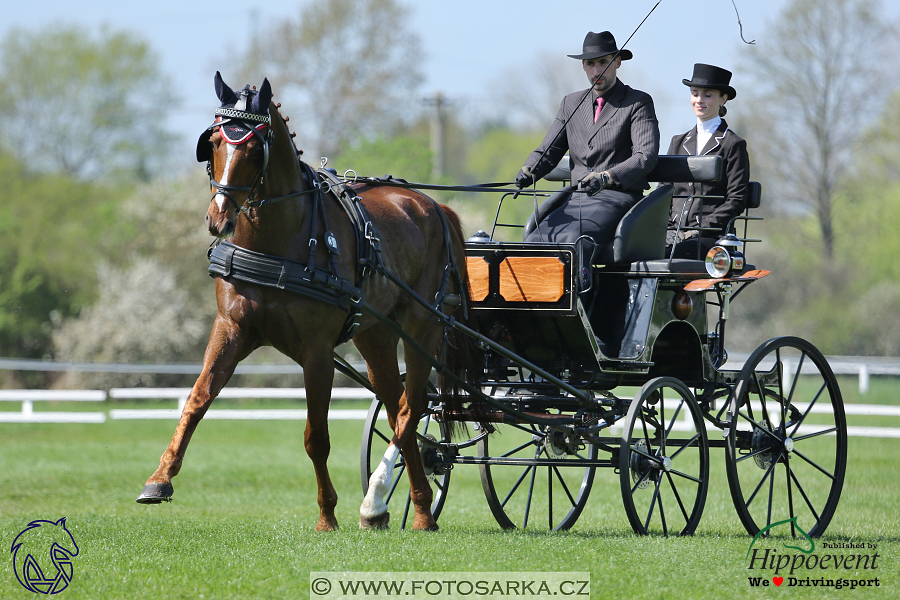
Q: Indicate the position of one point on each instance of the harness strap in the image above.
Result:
(227, 260)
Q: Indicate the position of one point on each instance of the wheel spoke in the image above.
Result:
(678, 497)
(809, 408)
(816, 434)
(381, 435)
(662, 512)
(826, 473)
(790, 396)
(761, 428)
(514, 450)
(805, 497)
(762, 398)
(530, 496)
(397, 477)
(689, 444)
(639, 482)
(564, 486)
(787, 476)
(662, 420)
(646, 433)
(652, 506)
(771, 493)
(761, 482)
(752, 454)
(655, 459)
(672, 422)
(549, 498)
(406, 510)
(685, 476)
(515, 487)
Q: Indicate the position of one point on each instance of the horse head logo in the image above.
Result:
(38, 546)
(794, 525)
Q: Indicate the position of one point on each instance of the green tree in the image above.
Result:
(54, 229)
(156, 303)
(497, 156)
(355, 63)
(85, 105)
(405, 156)
(819, 78)
(848, 304)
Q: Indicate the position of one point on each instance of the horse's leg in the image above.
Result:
(412, 406)
(404, 408)
(379, 349)
(318, 376)
(228, 345)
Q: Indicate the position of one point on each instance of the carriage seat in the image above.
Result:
(641, 234)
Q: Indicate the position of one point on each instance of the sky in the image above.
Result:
(469, 45)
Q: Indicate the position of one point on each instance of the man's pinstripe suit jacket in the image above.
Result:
(623, 141)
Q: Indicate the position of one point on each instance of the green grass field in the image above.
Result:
(241, 524)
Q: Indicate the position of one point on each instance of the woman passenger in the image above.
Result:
(710, 90)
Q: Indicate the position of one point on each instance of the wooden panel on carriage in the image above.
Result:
(533, 277)
(524, 295)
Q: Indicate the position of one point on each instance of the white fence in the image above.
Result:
(29, 397)
(29, 415)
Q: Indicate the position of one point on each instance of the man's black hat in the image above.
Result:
(710, 77)
(600, 44)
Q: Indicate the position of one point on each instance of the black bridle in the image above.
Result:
(251, 121)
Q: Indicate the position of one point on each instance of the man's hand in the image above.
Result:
(686, 235)
(524, 178)
(594, 182)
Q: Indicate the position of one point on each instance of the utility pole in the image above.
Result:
(438, 164)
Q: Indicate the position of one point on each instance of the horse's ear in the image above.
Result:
(226, 94)
(261, 101)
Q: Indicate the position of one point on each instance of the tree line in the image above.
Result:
(103, 252)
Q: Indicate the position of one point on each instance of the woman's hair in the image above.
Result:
(722, 111)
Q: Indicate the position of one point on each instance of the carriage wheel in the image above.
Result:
(664, 459)
(377, 436)
(535, 472)
(786, 450)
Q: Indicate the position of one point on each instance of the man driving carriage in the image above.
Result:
(612, 135)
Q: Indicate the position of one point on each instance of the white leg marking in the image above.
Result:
(379, 484)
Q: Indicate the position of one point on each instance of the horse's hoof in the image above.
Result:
(156, 493)
(379, 522)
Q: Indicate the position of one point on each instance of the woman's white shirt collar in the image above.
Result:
(705, 130)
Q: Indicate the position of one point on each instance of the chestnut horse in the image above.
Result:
(251, 152)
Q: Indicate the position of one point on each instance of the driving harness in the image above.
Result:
(228, 260)
(327, 285)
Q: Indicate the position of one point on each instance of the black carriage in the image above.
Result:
(655, 327)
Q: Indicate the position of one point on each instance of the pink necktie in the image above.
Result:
(599, 108)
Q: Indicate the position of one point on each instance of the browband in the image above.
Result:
(243, 115)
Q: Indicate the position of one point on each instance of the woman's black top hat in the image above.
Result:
(600, 44)
(710, 77)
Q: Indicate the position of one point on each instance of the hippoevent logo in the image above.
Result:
(837, 566)
(42, 556)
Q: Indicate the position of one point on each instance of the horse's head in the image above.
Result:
(236, 150)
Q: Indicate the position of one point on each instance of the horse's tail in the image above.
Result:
(462, 355)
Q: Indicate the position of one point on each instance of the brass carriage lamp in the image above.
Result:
(725, 258)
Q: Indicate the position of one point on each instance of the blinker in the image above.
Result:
(203, 149)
